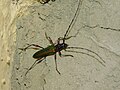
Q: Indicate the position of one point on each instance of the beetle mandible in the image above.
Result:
(58, 47)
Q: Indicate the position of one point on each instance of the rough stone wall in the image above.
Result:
(10, 11)
(26, 21)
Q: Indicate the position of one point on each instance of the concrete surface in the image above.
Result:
(82, 72)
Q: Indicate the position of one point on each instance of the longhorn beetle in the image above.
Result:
(58, 47)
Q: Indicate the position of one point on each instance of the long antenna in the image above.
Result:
(72, 22)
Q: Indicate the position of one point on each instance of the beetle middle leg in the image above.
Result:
(51, 42)
(62, 55)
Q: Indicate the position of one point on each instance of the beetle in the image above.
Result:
(55, 48)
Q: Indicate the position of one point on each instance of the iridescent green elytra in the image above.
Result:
(48, 51)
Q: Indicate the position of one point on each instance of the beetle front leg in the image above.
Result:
(56, 65)
(61, 38)
(49, 39)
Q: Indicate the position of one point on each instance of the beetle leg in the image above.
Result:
(49, 39)
(29, 45)
(34, 64)
(35, 48)
(31, 67)
(66, 38)
(35, 45)
(61, 38)
(61, 55)
(56, 64)
(58, 41)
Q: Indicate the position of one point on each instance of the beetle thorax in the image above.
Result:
(61, 46)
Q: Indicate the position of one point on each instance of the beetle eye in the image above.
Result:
(63, 45)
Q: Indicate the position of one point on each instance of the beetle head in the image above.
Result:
(64, 45)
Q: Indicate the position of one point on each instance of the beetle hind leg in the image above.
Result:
(34, 64)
